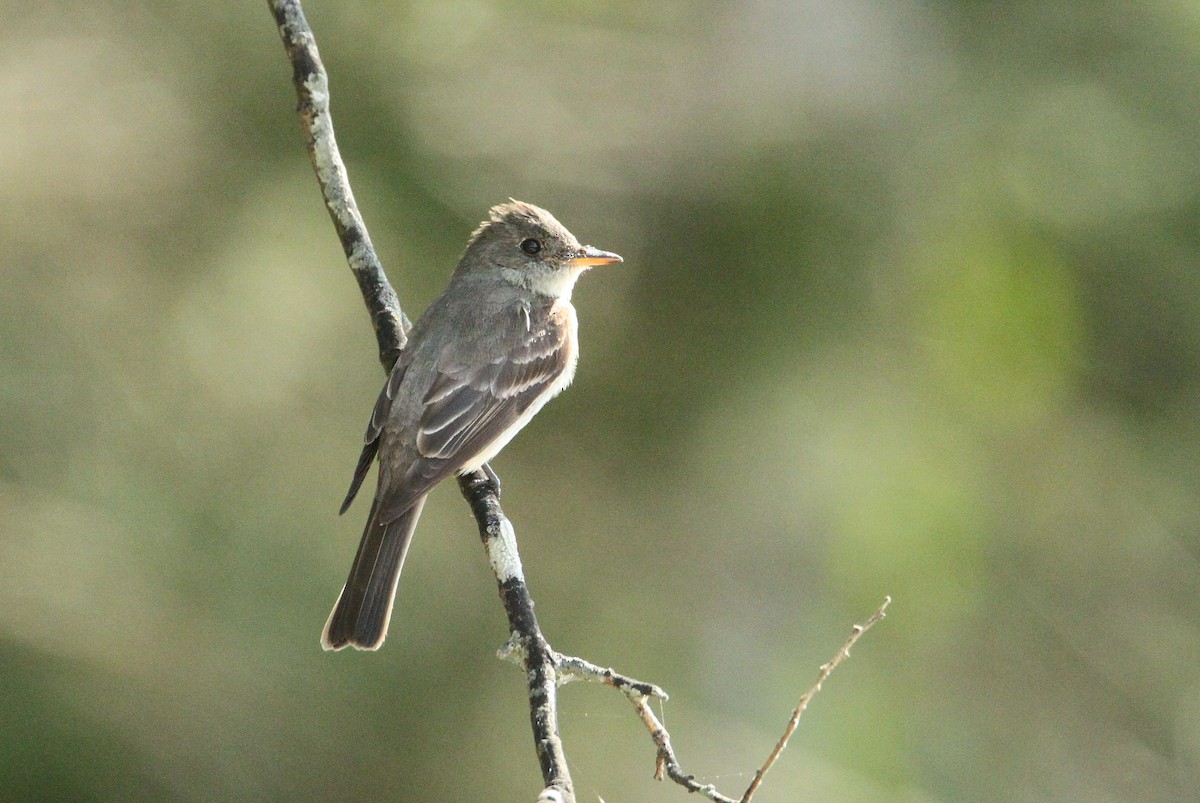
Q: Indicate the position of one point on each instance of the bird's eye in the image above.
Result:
(531, 246)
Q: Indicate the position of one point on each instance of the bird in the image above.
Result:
(497, 344)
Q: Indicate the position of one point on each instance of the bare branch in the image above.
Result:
(571, 668)
(826, 670)
(312, 91)
(639, 694)
(526, 642)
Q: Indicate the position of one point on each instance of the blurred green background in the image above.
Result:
(910, 306)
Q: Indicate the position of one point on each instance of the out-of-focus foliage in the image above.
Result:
(910, 306)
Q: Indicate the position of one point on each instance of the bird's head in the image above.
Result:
(528, 247)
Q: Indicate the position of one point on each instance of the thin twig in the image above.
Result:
(572, 668)
(665, 760)
(639, 694)
(826, 670)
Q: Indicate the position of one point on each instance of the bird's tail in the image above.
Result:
(360, 617)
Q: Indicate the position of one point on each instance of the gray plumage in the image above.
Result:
(494, 347)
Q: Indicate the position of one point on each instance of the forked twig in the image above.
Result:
(639, 693)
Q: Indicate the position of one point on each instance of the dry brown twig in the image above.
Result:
(545, 668)
(826, 670)
(640, 693)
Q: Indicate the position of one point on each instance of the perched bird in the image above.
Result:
(495, 346)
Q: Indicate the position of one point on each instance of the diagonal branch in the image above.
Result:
(481, 488)
(526, 644)
(312, 92)
(826, 670)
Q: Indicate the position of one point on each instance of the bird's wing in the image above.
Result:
(467, 407)
(371, 440)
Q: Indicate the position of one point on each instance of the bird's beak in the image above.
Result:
(588, 257)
